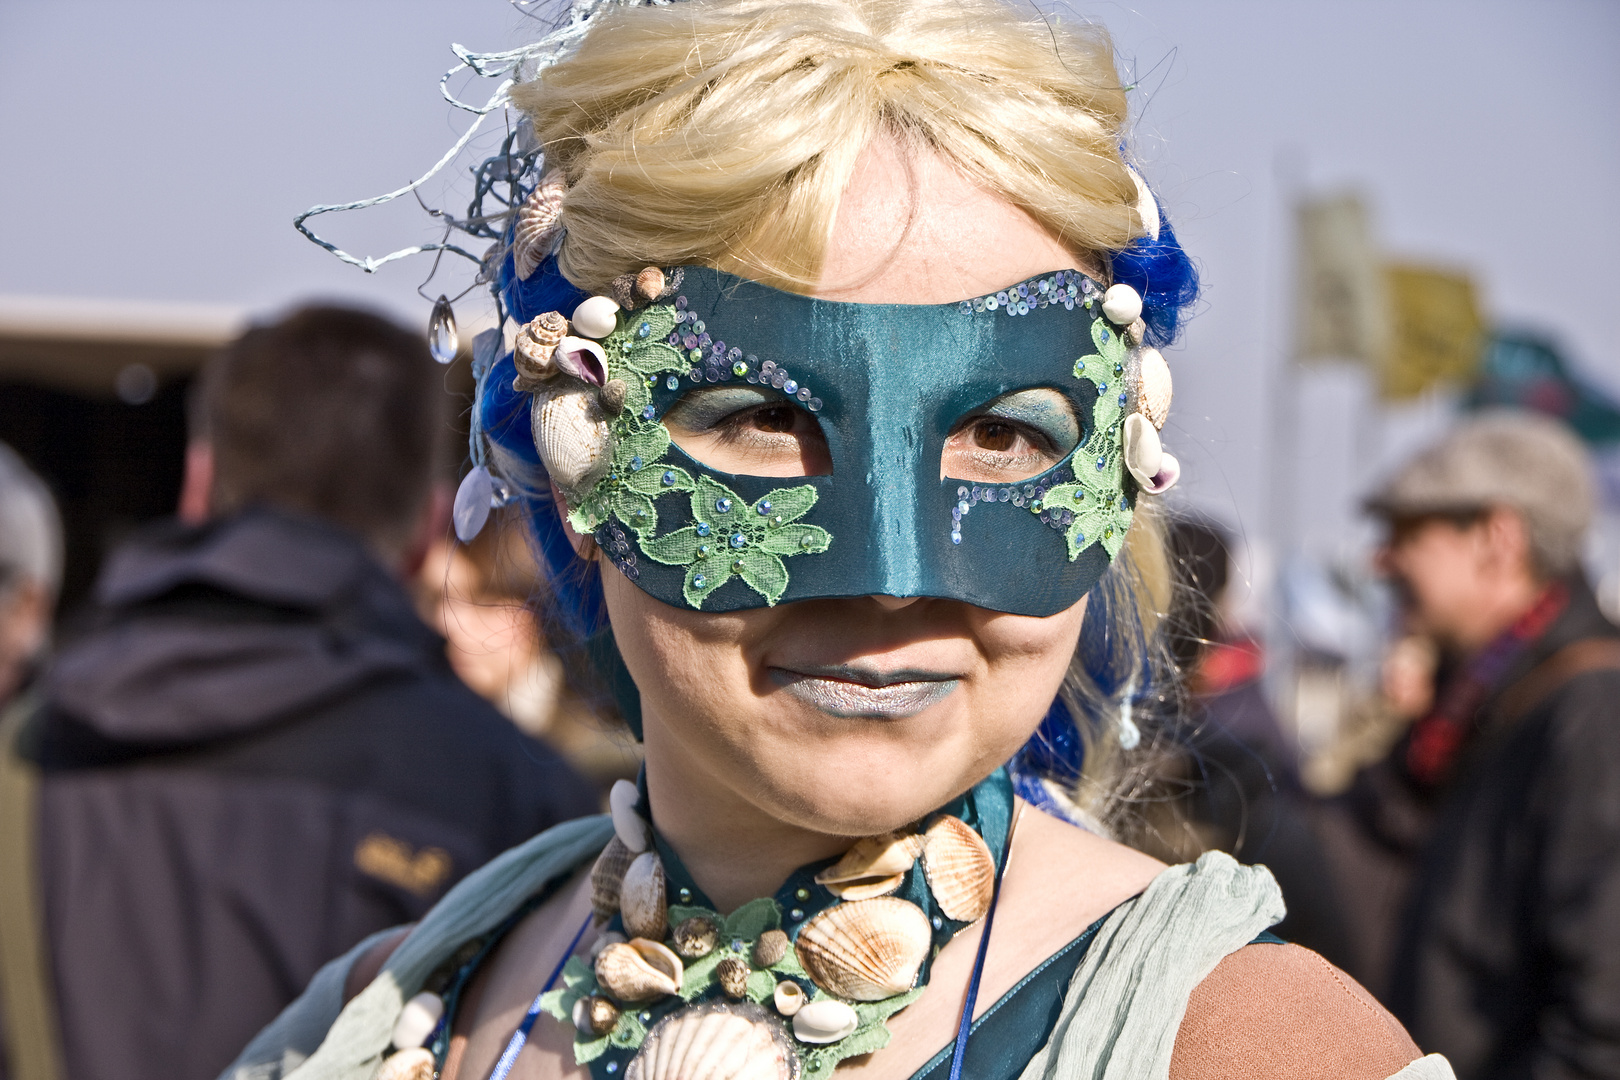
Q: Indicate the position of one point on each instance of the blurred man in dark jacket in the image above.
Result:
(1504, 801)
(259, 755)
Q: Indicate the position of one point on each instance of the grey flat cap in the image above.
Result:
(1502, 457)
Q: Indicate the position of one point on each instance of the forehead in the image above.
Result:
(911, 228)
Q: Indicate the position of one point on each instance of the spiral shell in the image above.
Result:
(961, 873)
(866, 950)
(875, 866)
(696, 937)
(607, 876)
(572, 435)
(642, 898)
(414, 1064)
(1153, 387)
(824, 1021)
(733, 1041)
(532, 351)
(639, 970)
(539, 223)
(770, 948)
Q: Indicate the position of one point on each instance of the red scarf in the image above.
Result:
(1438, 738)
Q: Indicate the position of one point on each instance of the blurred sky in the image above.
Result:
(158, 150)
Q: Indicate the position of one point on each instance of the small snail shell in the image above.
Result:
(649, 284)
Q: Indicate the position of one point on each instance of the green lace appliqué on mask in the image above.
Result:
(1102, 514)
(701, 982)
(732, 538)
(636, 353)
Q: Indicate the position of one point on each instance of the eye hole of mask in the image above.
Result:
(1015, 437)
(749, 431)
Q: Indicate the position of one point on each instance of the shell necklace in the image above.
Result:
(786, 986)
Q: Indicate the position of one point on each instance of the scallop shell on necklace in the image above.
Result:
(539, 223)
(639, 970)
(571, 432)
(716, 1042)
(875, 866)
(866, 950)
(961, 872)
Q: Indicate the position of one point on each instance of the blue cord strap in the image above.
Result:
(520, 1037)
(965, 1024)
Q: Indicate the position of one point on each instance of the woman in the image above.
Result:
(826, 390)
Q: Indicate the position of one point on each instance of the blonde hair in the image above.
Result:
(723, 132)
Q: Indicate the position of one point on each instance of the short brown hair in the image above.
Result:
(328, 411)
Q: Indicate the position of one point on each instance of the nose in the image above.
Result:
(895, 603)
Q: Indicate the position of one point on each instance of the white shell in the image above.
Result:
(789, 997)
(1153, 387)
(596, 317)
(824, 1021)
(539, 223)
(1122, 305)
(629, 825)
(572, 435)
(1147, 207)
(1165, 479)
(1143, 451)
(715, 1042)
(417, 1020)
(414, 1064)
(641, 898)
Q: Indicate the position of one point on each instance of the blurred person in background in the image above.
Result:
(1233, 784)
(1497, 814)
(259, 755)
(30, 571)
(477, 594)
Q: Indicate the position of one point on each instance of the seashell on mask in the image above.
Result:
(1143, 451)
(866, 950)
(572, 435)
(1153, 387)
(639, 970)
(607, 877)
(961, 872)
(533, 348)
(875, 866)
(716, 1042)
(539, 224)
(642, 898)
(582, 358)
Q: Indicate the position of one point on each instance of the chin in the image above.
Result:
(861, 795)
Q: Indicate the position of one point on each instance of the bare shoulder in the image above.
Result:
(1283, 1011)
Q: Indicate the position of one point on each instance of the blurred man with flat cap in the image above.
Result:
(1505, 798)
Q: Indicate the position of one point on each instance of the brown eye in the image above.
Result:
(775, 418)
(994, 435)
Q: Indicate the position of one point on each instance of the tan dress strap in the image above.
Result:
(27, 996)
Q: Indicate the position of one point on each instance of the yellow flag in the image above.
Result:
(1437, 331)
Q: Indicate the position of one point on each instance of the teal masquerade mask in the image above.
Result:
(887, 385)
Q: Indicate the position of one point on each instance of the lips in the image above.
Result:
(853, 692)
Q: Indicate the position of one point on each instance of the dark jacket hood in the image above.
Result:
(213, 630)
